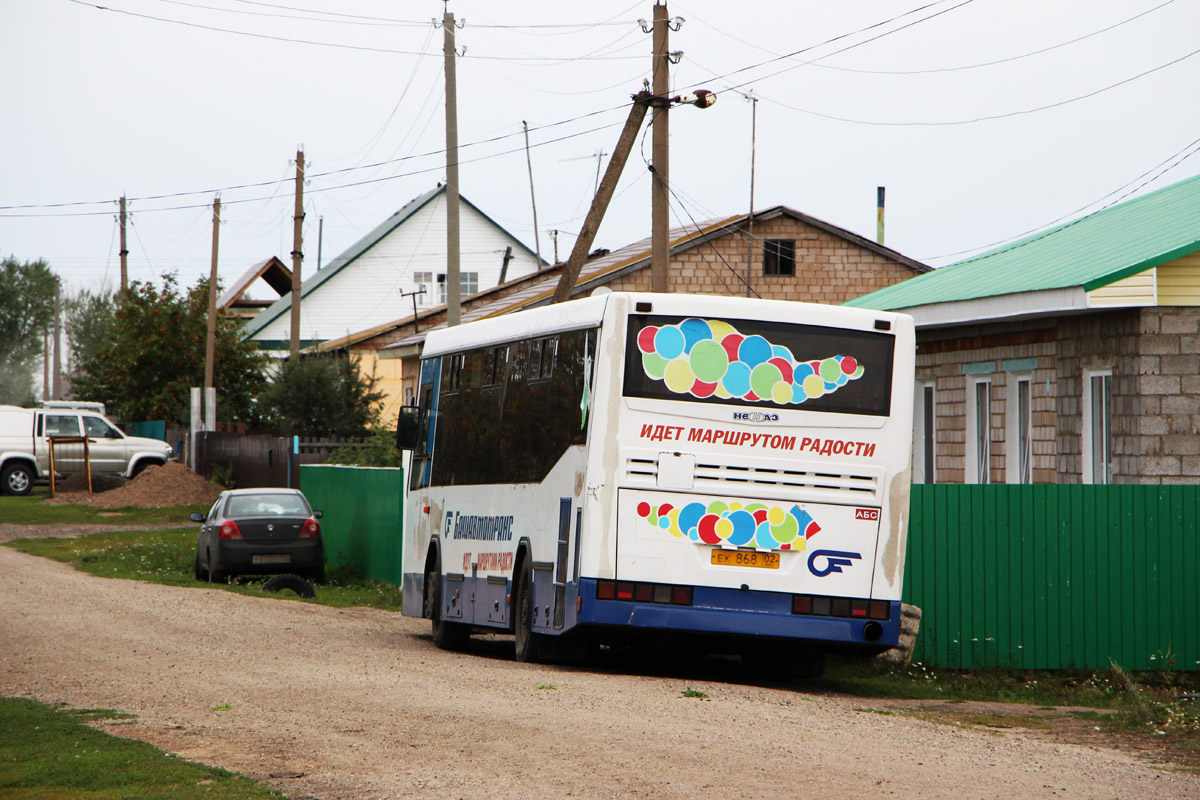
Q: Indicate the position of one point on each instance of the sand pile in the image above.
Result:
(172, 484)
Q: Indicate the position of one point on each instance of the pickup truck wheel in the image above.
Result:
(17, 479)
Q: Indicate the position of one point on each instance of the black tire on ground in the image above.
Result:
(526, 648)
(784, 662)
(17, 479)
(200, 572)
(446, 635)
(295, 583)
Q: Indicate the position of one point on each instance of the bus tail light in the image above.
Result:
(635, 592)
(860, 608)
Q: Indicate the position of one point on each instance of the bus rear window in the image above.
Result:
(758, 364)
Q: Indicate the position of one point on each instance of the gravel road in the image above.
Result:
(357, 704)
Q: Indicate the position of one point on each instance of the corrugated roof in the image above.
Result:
(1089, 252)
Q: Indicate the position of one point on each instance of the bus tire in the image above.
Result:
(784, 663)
(446, 635)
(526, 648)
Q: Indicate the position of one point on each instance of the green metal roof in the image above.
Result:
(284, 304)
(1089, 252)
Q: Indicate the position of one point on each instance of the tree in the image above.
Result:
(154, 355)
(322, 394)
(89, 322)
(27, 296)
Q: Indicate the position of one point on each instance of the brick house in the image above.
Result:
(1071, 356)
(791, 256)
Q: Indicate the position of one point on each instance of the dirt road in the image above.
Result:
(359, 704)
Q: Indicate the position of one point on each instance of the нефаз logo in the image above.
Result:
(754, 416)
(834, 561)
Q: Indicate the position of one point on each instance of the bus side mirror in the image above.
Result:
(408, 427)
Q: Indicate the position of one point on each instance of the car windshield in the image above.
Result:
(254, 505)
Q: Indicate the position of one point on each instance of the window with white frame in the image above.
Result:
(979, 434)
(423, 281)
(1097, 426)
(1018, 459)
(468, 284)
(925, 433)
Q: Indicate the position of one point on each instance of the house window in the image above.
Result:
(779, 257)
(1019, 435)
(423, 282)
(1097, 428)
(468, 284)
(979, 439)
(925, 434)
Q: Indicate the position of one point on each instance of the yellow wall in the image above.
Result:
(1136, 290)
(1179, 282)
(387, 372)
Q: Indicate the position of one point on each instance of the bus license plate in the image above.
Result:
(745, 558)
(281, 558)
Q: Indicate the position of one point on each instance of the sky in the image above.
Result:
(984, 119)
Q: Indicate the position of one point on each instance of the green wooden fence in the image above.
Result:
(363, 510)
(1054, 576)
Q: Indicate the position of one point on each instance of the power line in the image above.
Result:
(1179, 156)
(327, 188)
(311, 176)
(815, 62)
(365, 48)
(944, 123)
(581, 25)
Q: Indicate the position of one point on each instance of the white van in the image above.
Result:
(25, 446)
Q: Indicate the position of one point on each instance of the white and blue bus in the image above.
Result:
(663, 464)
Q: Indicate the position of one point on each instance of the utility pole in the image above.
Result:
(504, 265)
(659, 209)
(537, 240)
(570, 273)
(56, 376)
(210, 345)
(297, 256)
(453, 288)
(753, 136)
(554, 234)
(320, 239)
(124, 252)
(879, 193)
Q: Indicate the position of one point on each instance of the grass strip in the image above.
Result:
(49, 753)
(168, 556)
(32, 510)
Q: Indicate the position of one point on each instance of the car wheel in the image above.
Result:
(526, 639)
(200, 572)
(289, 582)
(17, 479)
(446, 635)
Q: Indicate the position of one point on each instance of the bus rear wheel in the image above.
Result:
(446, 635)
(526, 639)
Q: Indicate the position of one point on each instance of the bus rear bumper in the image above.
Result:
(740, 613)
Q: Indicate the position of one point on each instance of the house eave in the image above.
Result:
(1000, 308)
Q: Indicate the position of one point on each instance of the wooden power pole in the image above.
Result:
(124, 252)
(659, 208)
(453, 293)
(210, 345)
(297, 256)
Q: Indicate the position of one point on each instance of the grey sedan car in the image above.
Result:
(260, 532)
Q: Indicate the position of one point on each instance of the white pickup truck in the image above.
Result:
(25, 446)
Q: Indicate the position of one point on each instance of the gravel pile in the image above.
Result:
(172, 484)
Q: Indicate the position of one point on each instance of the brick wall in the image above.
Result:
(1154, 358)
(829, 269)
